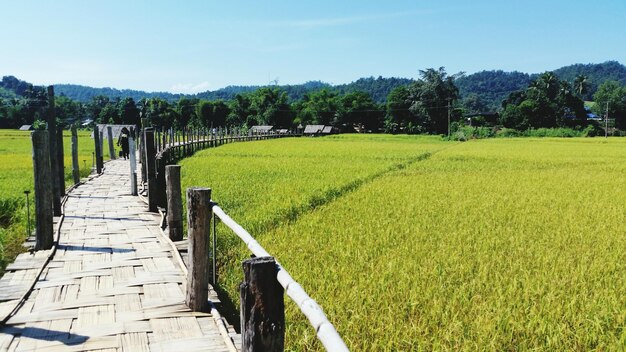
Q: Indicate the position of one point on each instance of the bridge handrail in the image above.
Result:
(326, 332)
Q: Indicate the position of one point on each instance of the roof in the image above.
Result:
(261, 128)
(327, 129)
(314, 128)
(26, 127)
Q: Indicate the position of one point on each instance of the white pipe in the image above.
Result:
(326, 332)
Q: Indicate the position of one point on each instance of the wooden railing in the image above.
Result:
(265, 280)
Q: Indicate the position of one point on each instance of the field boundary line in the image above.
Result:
(293, 213)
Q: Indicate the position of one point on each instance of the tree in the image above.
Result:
(474, 104)
(547, 102)
(581, 86)
(186, 108)
(319, 107)
(109, 114)
(212, 113)
(240, 111)
(128, 112)
(398, 116)
(95, 106)
(358, 110)
(613, 94)
(270, 106)
(430, 97)
(159, 112)
(67, 109)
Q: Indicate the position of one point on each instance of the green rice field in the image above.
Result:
(16, 176)
(413, 243)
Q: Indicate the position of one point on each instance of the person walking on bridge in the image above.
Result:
(122, 141)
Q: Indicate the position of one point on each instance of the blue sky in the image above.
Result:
(190, 46)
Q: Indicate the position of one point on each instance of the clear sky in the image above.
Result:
(191, 46)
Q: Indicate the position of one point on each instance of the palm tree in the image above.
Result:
(581, 86)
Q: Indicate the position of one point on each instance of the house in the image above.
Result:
(261, 129)
(329, 130)
(313, 129)
(26, 128)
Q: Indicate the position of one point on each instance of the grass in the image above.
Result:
(499, 244)
(16, 176)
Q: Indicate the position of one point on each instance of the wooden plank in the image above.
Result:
(175, 328)
(134, 342)
(78, 343)
(207, 344)
(28, 317)
(95, 316)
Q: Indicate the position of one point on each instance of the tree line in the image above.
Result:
(425, 105)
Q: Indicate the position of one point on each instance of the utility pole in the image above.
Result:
(449, 100)
(606, 121)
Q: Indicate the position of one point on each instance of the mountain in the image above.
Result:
(491, 87)
(378, 88)
(486, 89)
(596, 74)
(84, 93)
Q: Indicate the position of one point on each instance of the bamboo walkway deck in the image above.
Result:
(115, 282)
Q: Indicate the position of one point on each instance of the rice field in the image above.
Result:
(411, 243)
(16, 176)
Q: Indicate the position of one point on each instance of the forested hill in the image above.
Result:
(487, 89)
(294, 92)
(595, 73)
(378, 88)
(482, 91)
(85, 94)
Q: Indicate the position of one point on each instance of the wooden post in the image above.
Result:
(262, 307)
(102, 147)
(174, 202)
(75, 167)
(161, 198)
(96, 138)
(164, 131)
(111, 146)
(52, 141)
(199, 213)
(133, 163)
(43, 190)
(150, 161)
(182, 137)
(61, 161)
(142, 151)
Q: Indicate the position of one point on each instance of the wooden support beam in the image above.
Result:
(142, 150)
(262, 307)
(174, 202)
(161, 197)
(133, 163)
(199, 213)
(98, 143)
(111, 145)
(52, 140)
(43, 190)
(75, 166)
(61, 162)
(150, 162)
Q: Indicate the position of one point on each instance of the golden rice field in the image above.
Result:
(16, 176)
(411, 243)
